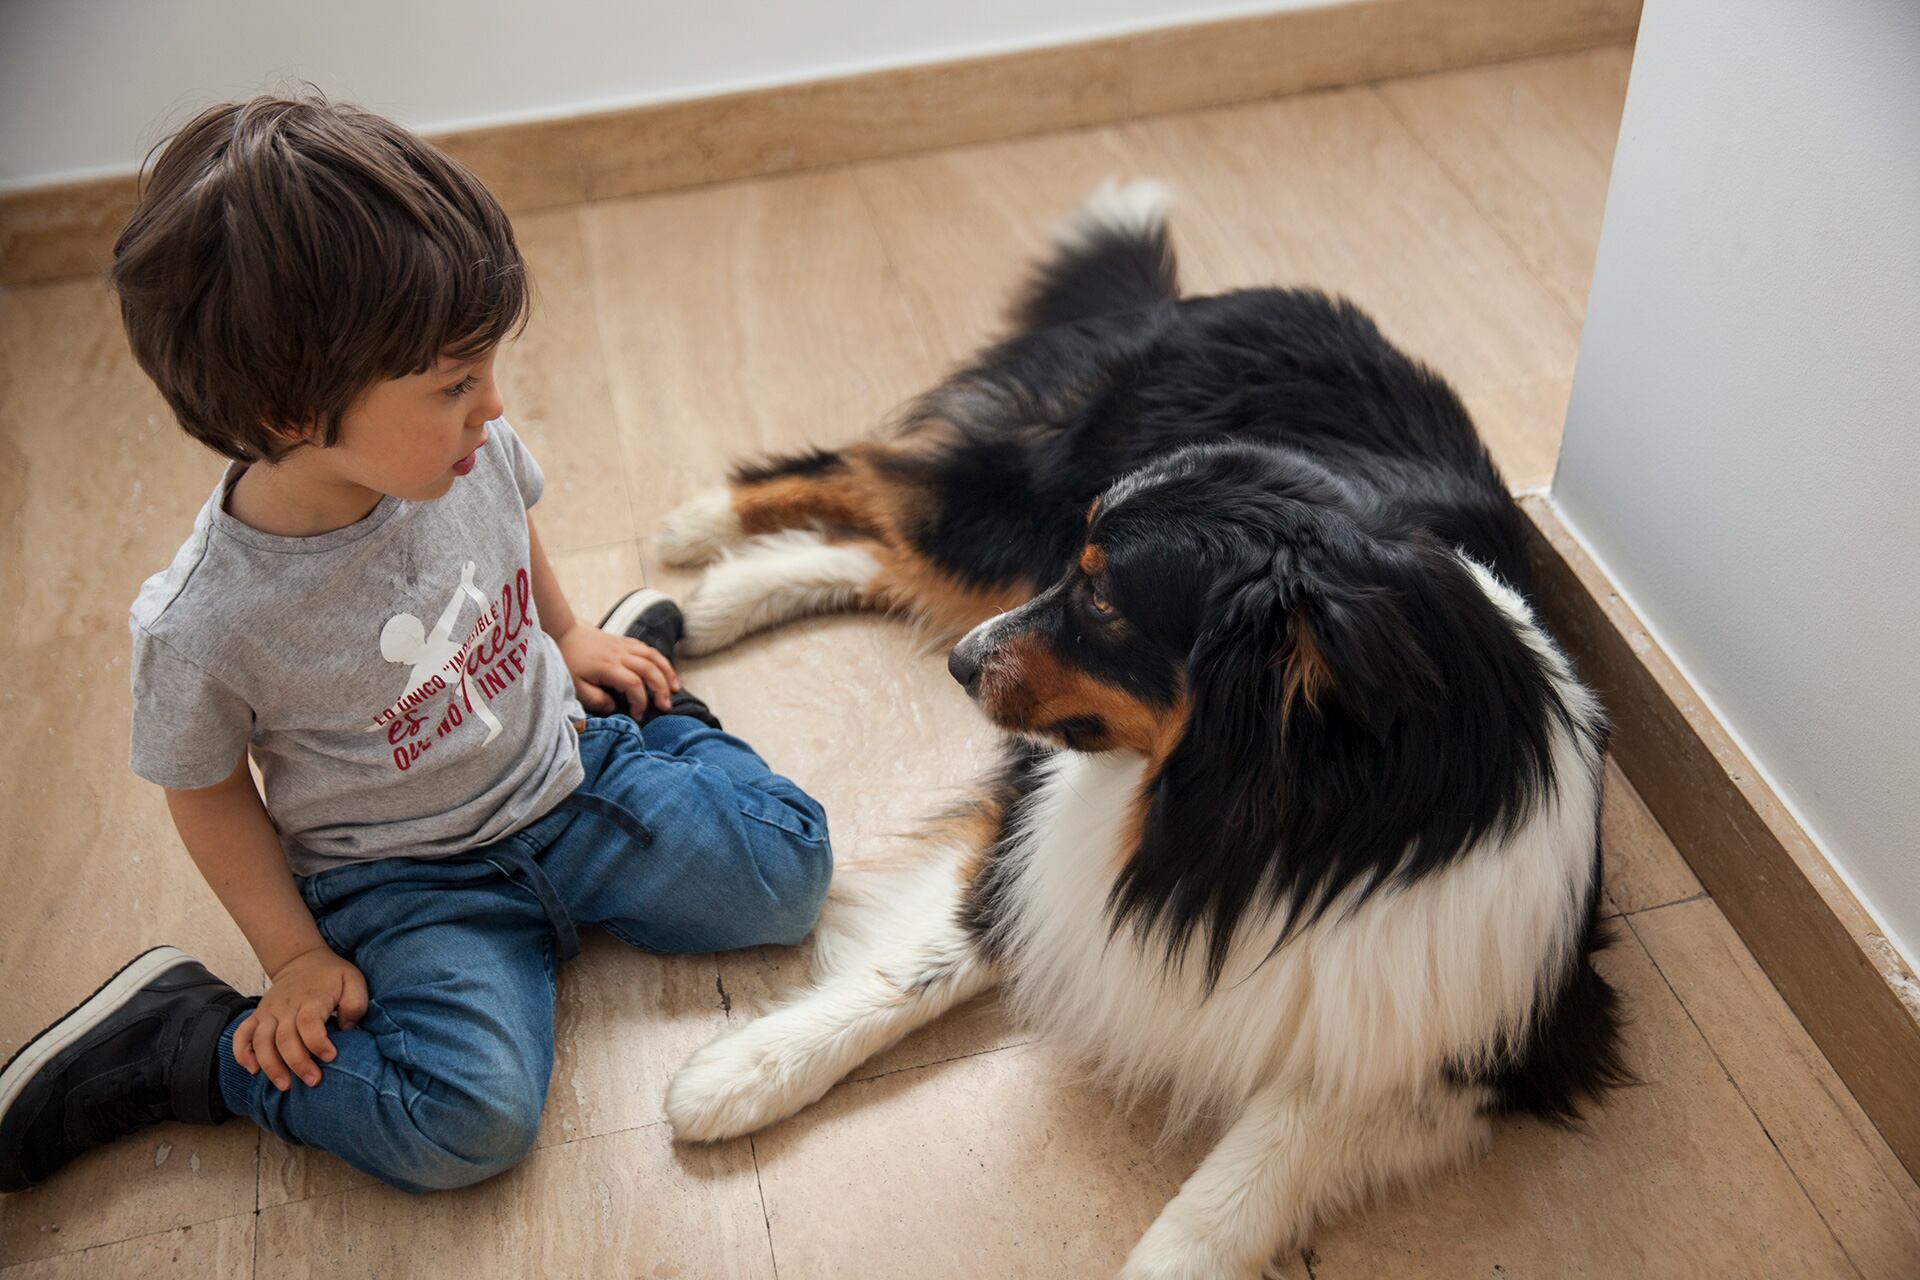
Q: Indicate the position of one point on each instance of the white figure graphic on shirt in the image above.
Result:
(405, 640)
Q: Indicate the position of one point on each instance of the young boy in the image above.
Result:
(365, 608)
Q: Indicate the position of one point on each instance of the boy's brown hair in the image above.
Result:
(288, 253)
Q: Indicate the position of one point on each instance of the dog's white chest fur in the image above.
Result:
(1363, 1001)
(1107, 997)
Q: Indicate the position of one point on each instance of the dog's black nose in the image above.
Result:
(964, 669)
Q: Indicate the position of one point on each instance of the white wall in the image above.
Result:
(1743, 443)
(87, 86)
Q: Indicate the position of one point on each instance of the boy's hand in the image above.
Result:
(600, 660)
(288, 1029)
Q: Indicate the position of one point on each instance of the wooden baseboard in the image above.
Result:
(1824, 954)
(67, 230)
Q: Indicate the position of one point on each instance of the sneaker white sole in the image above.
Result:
(90, 1013)
(628, 611)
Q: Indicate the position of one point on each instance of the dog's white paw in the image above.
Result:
(698, 531)
(714, 615)
(1168, 1252)
(772, 579)
(1197, 1265)
(739, 1083)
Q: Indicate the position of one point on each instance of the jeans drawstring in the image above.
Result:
(513, 856)
(517, 864)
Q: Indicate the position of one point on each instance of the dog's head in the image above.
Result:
(1325, 699)
(1222, 581)
(1096, 661)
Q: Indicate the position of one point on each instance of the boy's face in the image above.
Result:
(414, 437)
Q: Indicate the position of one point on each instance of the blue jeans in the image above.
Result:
(680, 839)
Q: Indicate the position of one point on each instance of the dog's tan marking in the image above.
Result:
(1026, 686)
(1093, 561)
(1307, 675)
(1172, 727)
(851, 496)
(908, 581)
(865, 498)
(978, 826)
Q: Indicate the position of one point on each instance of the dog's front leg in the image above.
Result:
(772, 1067)
(1287, 1162)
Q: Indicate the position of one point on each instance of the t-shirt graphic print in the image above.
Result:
(437, 661)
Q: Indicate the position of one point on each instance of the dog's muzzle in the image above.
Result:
(965, 661)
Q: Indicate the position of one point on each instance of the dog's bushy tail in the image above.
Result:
(1113, 255)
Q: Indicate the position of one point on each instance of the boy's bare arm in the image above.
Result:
(596, 660)
(232, 840)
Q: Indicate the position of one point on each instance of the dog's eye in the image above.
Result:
(1101, 605)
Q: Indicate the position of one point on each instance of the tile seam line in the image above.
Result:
(1702, 896)
(585, 547)
(578, 218)
(591, 261)
(1741, 1093)
(766, 1214)
(896, 277)
(375, 1185)
(20, 1263)
(1534, 273)
(939, 1062)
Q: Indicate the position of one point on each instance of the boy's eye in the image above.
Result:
(461, 387)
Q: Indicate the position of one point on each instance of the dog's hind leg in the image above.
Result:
(839, 489)
(1288, 1161)
(910, 963)
(699, 530)
(777, 578)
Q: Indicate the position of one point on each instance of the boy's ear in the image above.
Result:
(287, 437)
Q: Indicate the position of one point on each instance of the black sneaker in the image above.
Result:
(652, 618)
(649, 616)
(137, 1051)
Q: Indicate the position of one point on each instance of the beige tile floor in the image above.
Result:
(676, 331)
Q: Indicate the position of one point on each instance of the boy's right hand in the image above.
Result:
(288, 1029)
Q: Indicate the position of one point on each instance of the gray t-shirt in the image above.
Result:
(390, 678)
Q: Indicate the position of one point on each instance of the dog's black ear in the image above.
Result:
(1350, 649)
(1296, 680)
(1322, 640)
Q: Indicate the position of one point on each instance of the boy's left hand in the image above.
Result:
(600, 660)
